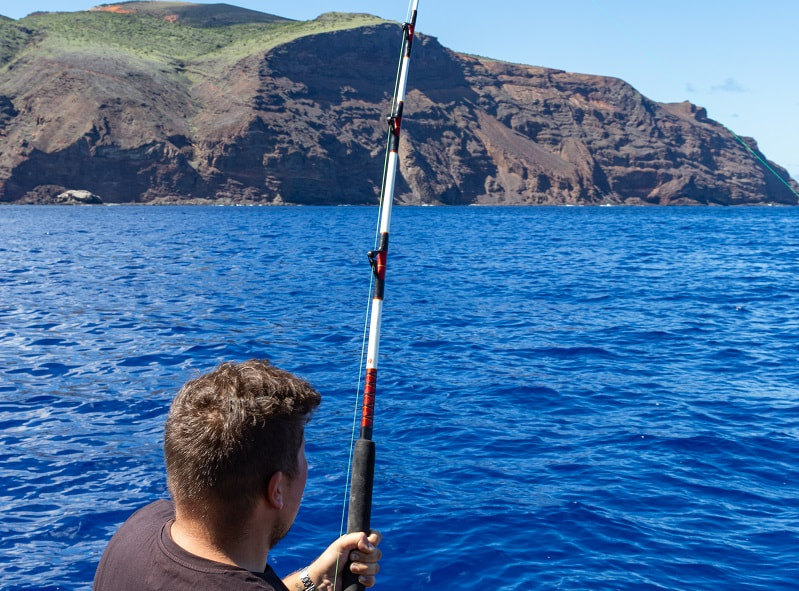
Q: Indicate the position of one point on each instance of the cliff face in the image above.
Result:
(561, 137)
(302, 120)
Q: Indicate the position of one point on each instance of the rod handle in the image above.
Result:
(360, 511)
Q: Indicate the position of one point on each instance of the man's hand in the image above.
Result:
(327, 571)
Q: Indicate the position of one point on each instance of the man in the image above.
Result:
(234, 445)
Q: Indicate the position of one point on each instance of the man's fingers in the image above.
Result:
(364, 559)
(366, 572)
(370, 557)
(365, 568)
(370, 542)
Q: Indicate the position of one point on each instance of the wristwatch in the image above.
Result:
(306, 580)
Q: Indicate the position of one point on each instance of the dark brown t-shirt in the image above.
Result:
(142, 556)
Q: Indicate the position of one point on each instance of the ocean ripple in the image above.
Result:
(569, 398)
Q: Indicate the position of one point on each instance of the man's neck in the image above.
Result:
(248, 551)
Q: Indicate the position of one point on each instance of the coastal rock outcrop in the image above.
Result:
(285, 121)
(78, 197)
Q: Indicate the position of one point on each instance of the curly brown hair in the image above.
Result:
(229, 431)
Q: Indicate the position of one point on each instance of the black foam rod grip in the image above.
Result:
(360, 511)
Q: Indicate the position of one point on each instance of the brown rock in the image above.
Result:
(304, 122)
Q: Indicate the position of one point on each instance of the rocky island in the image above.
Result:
(171, 102)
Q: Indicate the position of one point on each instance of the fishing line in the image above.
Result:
(354, 423)
(360, 501)
(386, 154)
(665, 66)
(761, 160)
(364, 337)
(371, 284)
(355, 412)
(366, 318)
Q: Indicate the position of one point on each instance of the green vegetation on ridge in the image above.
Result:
(13, 38)
(149, 37)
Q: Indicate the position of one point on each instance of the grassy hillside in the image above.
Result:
(122, 97)
(165, 31)
(13, 37)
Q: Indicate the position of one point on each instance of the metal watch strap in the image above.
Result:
(306, 580)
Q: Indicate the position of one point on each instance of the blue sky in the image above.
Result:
(737, 58)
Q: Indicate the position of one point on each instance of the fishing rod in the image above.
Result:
(363, 461)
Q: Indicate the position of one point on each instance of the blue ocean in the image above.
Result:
(568, 398)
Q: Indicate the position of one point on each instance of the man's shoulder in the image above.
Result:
(133, 548)
(143, 556)
(159, 511)
(146, 520)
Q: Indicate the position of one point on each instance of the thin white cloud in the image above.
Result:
(729, 85)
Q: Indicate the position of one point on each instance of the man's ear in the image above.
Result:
(275, 489)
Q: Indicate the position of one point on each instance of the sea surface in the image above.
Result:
(568, 398)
